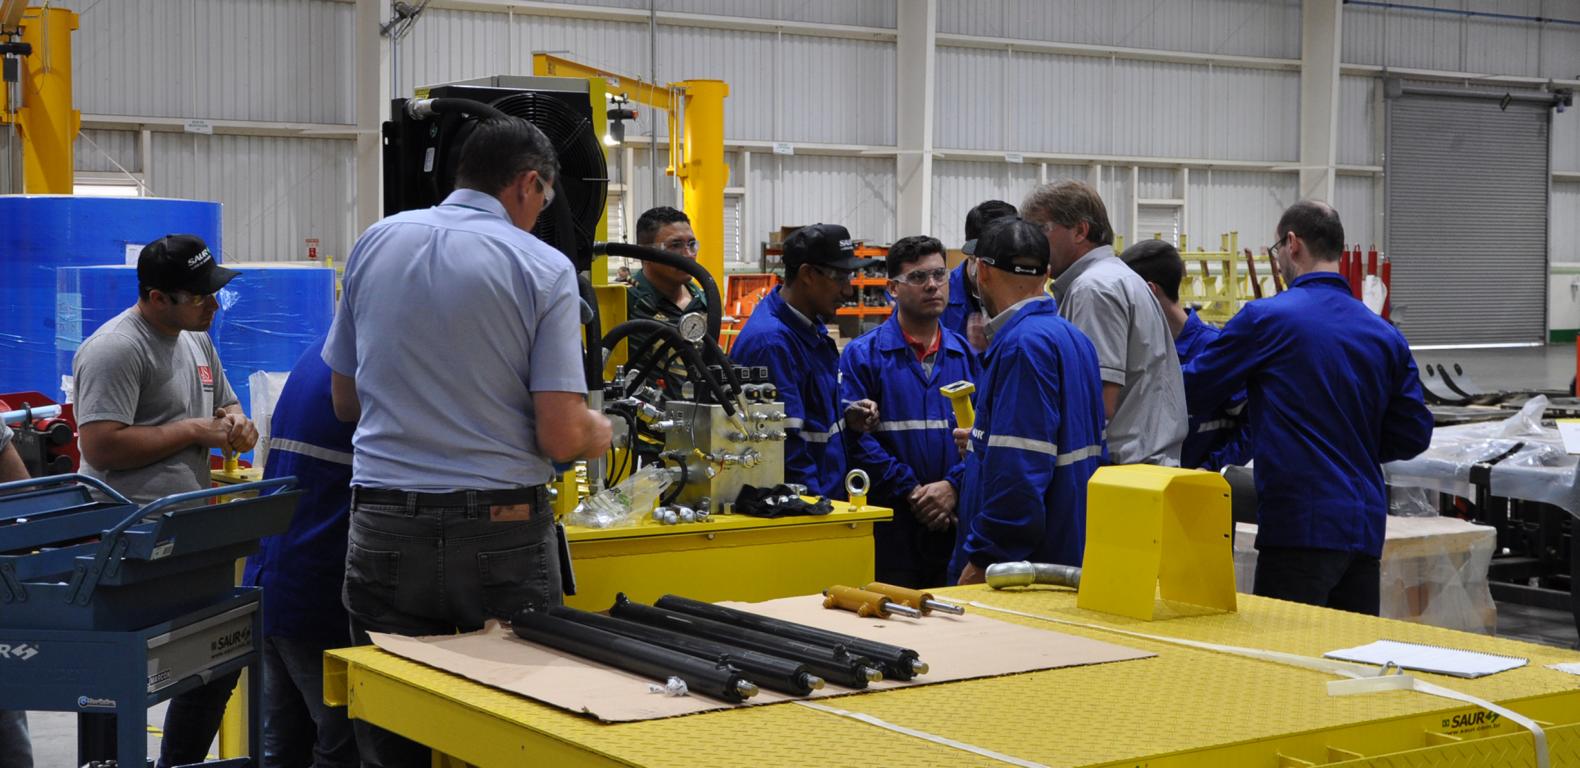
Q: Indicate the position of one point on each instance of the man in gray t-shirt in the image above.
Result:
(1143, 389)
(151, 401)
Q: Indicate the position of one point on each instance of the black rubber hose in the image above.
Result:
(898, 663)
(695, 367)
(592, 359)
(766, 670)
(416, 107)
(710, 289)
(720, 681)
(833, 664)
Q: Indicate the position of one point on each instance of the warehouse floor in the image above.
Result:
(1547, 367)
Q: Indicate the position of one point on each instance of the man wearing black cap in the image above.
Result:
(786, 333)
(1038, 435)
(964, 313)
(151, 402)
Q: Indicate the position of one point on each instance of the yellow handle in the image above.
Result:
(959, 394)
(232, 462)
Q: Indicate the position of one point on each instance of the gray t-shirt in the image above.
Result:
(1112, 305)
(129, 372)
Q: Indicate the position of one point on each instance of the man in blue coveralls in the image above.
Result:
(1038, 435)
(1333, 393)
(964, 313)
(911, 456)
(302, 572)
(786, 333)
(1217, 439)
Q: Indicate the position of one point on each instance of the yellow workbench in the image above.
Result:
(1184, 707)
(730, 557)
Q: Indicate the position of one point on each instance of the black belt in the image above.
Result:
(503, 497)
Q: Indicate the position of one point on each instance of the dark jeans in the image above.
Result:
(299, 730)
(192, 721)
(435, 570)
(1345, 581)
(16, 748)
(906, 554)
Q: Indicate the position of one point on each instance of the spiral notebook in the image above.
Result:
(1429, 658)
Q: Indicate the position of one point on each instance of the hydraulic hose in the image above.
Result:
(710, 289)
(592, 359)
(422, 109)
(695, 367)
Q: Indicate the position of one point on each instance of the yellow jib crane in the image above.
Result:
(696, 143)
(36, 98)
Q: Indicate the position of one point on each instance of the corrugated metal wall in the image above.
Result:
(1565, 223)
(275, 192)
(958, 186)
(788, 190)
(1355, 198)
(1239, 27)
(1358, 121)
(1114, 106)
(861, 13)
(1237, 201)
(1399, 38)
(277, 60)
(107, 152)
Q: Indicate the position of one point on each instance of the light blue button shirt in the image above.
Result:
(449, 319)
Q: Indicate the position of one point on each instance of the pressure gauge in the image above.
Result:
(693, 326)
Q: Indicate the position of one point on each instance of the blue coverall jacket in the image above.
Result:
(1333, 393)
(1037, 440)
(804, 365)
(1217, 439)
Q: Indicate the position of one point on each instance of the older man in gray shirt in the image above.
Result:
(1143, 390)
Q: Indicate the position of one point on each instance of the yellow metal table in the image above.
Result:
(1185, 707)
(730, 557)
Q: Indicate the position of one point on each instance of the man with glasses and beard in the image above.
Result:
(151, 401)
(786, 333)
(911, 456)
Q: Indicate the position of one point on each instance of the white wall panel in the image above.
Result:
(857, 192)
(1355, 198)
(1229, 201)
(958, 186)
(1358, 121)
(1114, 107)
(860, 13)
(1158, 183)
(837, 91)
(745, 60)
(1565, 223)
(274, 60)
(274, 192)
(103, 151)
(1115, 189)
(1237, 27)
(1566, 140)
(1425, 40)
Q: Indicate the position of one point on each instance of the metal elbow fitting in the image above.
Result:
(1023, 574)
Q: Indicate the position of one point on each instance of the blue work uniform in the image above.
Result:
(1037, 440)
(804, 364)
(1333, 393)
(957, 314)
(1217, 439)
(912, 445)
(302, 569)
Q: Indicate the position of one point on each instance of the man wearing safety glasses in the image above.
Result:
(911, 455)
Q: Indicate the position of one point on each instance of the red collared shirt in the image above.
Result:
(924, 351)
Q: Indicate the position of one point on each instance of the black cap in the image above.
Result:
(1014, 245)
(979, 217)
(825, 245)
(181, 263)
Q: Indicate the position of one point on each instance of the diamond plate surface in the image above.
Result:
(1184, 707)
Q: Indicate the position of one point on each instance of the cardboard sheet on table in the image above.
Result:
(956, 647)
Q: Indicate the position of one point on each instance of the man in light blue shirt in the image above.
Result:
(457, 350)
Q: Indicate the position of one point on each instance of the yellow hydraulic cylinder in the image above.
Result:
(702, 172)
(47, 123)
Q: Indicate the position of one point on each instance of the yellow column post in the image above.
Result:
(48, 123)
(703, 173)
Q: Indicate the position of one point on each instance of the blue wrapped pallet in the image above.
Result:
(40, 233)
(268, 315)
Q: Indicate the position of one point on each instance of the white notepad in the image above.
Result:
(1428, 658)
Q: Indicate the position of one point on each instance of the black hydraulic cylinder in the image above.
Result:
(832, 664)
(719, 681)
(896, 662)
(769, 671)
